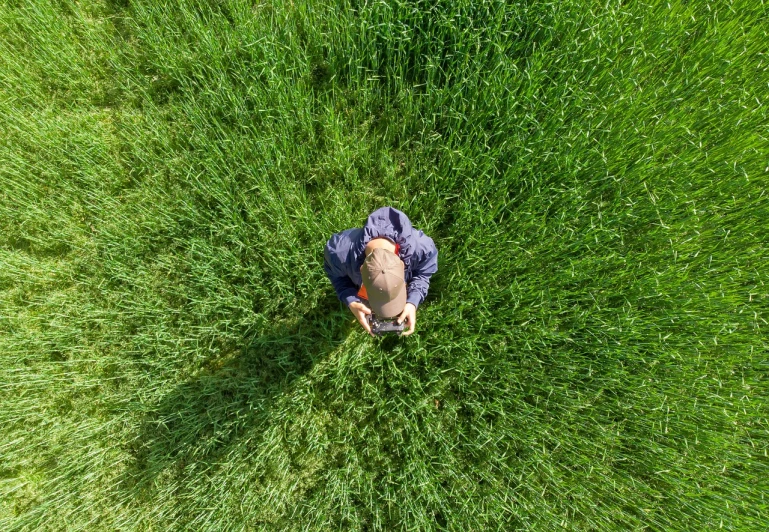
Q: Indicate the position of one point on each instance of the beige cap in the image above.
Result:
(383, 277)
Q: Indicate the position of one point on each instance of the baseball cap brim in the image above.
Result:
(383, 307)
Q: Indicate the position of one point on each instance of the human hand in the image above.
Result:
(360, 311)
(409, 315)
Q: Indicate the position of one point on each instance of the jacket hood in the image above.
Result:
(390, 223)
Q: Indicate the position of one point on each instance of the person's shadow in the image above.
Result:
(199, 423)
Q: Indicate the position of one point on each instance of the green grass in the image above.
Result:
(592, 354)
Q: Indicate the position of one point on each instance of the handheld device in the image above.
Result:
(380, 327)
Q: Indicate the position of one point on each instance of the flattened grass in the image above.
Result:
(592, 353)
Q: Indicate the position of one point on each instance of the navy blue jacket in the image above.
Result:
(344, 255)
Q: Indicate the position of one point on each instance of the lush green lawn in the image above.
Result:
(593, 352)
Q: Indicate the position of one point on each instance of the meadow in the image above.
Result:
(593, 352)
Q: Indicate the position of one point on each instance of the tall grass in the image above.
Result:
(592, 353)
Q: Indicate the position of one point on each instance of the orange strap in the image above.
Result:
(362, 293)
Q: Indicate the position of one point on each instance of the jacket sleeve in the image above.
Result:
(421, 273)
(345, 289)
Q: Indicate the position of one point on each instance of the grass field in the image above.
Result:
(592, 355)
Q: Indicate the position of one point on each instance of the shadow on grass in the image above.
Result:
(198, 424)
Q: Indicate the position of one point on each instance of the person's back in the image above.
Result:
(383, 268)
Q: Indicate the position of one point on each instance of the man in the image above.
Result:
(383, 268)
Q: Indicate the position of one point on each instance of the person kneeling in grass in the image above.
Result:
(383, 268)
